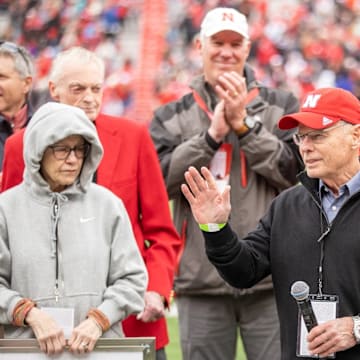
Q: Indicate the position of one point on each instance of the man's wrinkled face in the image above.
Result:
(81, 86)
(327, 153)
(223, 52)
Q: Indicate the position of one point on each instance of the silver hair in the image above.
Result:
(73, 55)
(23, 62)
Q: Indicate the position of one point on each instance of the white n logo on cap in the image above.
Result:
(311, 100)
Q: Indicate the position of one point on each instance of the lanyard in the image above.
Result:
(322, 255)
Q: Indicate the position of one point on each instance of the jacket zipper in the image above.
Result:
(56, 289)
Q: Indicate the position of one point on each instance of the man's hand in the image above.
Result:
(48, 333)
(232, 89)
(154, 307)
(219, 128)
(331, 337)
(207, 204)
(84, 336)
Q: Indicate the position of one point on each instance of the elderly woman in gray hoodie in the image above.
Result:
(65, 242)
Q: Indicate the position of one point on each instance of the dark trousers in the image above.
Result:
(209, 326)
(160, 354)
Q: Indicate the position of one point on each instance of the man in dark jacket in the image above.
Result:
(243, 148)
(310, 233)
(16, 76)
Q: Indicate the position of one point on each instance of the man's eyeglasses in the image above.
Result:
(315, 136)
(62, 152)
(15, 49)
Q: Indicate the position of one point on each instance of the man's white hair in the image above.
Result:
(74, 55)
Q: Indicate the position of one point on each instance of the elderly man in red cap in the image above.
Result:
(310, 233)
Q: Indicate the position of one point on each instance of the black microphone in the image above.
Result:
(300, 292)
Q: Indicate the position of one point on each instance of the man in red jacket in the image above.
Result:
(131, 170)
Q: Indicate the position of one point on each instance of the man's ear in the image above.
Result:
(247, 47)
(356, 137)
(53, 91)
(198, 43)
(28, 81)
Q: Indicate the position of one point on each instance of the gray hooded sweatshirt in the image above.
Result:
(81, 236)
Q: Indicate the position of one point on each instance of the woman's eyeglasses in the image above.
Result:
(62, 152)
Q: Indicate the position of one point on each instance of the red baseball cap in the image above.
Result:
(323, 108)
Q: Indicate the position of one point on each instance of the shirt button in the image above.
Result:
(333, 208)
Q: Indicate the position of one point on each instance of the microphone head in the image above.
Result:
(300, 290)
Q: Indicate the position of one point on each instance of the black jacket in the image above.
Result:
(286, 244)
(6, 131)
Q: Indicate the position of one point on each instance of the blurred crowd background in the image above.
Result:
(298, 45)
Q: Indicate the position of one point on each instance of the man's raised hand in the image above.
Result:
(207, 203)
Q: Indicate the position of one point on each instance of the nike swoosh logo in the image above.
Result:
(85, 220)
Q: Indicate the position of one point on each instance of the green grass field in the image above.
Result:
(173, 351)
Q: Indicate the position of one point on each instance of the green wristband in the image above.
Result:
(211, 227)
